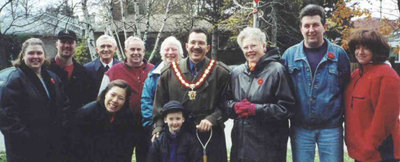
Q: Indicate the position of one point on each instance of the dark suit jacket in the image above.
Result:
(95, 70)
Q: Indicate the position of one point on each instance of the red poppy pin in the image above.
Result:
(52, 81)
(112, 119)
(331, 55)
(260, 81)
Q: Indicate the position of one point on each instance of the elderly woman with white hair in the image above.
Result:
(170, 51)
(261, 102)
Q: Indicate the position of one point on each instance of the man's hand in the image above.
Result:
(204, 125)
(155, 135)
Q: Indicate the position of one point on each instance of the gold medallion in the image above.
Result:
(192, 85)
(192, 95)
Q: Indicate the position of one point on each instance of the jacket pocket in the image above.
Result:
(333, 80)
(357, 101)
(294, 72)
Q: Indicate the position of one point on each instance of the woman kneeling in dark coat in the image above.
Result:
(104, 128)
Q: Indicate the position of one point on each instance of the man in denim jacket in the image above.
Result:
(319, 70)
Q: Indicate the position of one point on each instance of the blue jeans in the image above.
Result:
(329, 142)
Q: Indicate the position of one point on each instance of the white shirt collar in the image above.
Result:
(109, 64)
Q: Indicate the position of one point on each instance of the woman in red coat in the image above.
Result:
(372, 101)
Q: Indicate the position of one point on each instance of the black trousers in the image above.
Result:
(142, 143)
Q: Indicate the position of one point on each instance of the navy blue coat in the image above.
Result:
(33, 124)
(185, 143)
(96, 71)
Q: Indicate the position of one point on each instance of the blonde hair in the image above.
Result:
(30, 42)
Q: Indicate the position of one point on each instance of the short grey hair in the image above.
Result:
(134, 38)
(250, 32)
(171, 40)
(106, 37)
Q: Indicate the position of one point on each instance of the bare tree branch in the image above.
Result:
(4, 5)
(161, 29)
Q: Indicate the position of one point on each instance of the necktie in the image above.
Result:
(106, 68)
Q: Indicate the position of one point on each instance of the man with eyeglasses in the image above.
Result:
(200, 84)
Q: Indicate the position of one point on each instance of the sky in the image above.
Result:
(389, 8)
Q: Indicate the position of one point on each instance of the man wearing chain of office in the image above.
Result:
(200, 84)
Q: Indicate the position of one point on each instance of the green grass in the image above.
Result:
(288, 157)
(3, 157)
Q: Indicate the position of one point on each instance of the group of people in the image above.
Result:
(175, 112)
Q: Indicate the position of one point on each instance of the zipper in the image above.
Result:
(242, 122)
(353, 97)
(248, 89)
(355, 83)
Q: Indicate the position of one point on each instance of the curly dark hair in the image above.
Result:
(372, 40)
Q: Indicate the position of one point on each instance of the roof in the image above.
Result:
(44, 25)
(173, 23)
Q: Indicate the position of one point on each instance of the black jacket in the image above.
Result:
(79, 87)
(186, 147)
(262, 137)
(32, 123)
(98, 139)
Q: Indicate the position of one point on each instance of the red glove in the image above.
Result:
(245, 108)
(238, 107)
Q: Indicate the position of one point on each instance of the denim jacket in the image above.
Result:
(320, 99)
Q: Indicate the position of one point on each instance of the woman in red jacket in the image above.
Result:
(372, 101)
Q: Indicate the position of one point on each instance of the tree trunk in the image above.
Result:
(148, 13)
(214, 42)
(112, 29)
(274, 27)
(398, 5)
(137, 26)
(159, 33)
(89, 35)
(121, 2)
